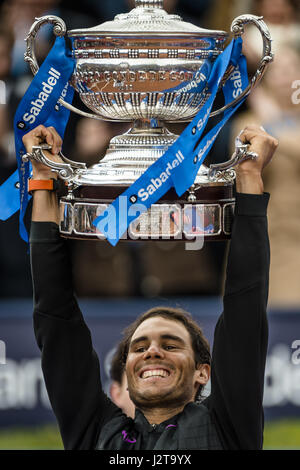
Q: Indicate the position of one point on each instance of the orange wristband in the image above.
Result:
(47, 185)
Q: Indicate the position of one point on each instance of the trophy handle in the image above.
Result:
(59, 29)
(237, 28)
(225, 170)
(66, 170)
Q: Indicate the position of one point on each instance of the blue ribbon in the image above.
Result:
(9, 196)
(179, 165)
(38, 106)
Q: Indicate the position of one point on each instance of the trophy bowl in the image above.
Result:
(142, 68)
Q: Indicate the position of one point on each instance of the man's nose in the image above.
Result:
(153, 351)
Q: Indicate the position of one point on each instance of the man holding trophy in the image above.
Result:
(149, 67)
(166, 357)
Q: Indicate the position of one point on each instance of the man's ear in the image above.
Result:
(202, 374)
(115, 391)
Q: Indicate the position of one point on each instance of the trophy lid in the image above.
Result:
(148, 17)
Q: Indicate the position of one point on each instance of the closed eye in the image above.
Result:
(169, 347)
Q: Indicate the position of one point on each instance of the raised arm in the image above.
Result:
(241, 335)
(70, 365)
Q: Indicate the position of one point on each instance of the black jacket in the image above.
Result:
(231, 418)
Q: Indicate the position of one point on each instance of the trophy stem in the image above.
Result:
(147, 125)
(140, 146)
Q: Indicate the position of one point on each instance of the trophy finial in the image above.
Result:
(149, 3)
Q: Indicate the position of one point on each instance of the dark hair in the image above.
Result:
(200, 344)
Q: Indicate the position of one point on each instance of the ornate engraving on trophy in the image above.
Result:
(188, 54)
(129, 80)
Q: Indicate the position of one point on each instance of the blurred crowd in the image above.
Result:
(162, 269)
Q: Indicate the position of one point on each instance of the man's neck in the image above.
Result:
(159, 415)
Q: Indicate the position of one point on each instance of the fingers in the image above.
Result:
(250, 132)
(260, 142)
(40, 135)
(257, 136)
(57, 141)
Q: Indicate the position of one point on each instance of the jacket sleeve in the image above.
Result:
(241, 334)
(70, 365)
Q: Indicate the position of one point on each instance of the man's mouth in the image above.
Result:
(154, 373)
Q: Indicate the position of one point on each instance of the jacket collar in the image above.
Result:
(144, 427)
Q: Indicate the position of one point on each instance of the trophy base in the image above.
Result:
(207, 213)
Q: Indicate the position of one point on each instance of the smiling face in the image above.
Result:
(160, 365)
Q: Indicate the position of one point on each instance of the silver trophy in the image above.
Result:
(137, 69)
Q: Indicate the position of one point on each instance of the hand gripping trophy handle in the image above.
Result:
(237, 28)
(225, 170)
(59, 29)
